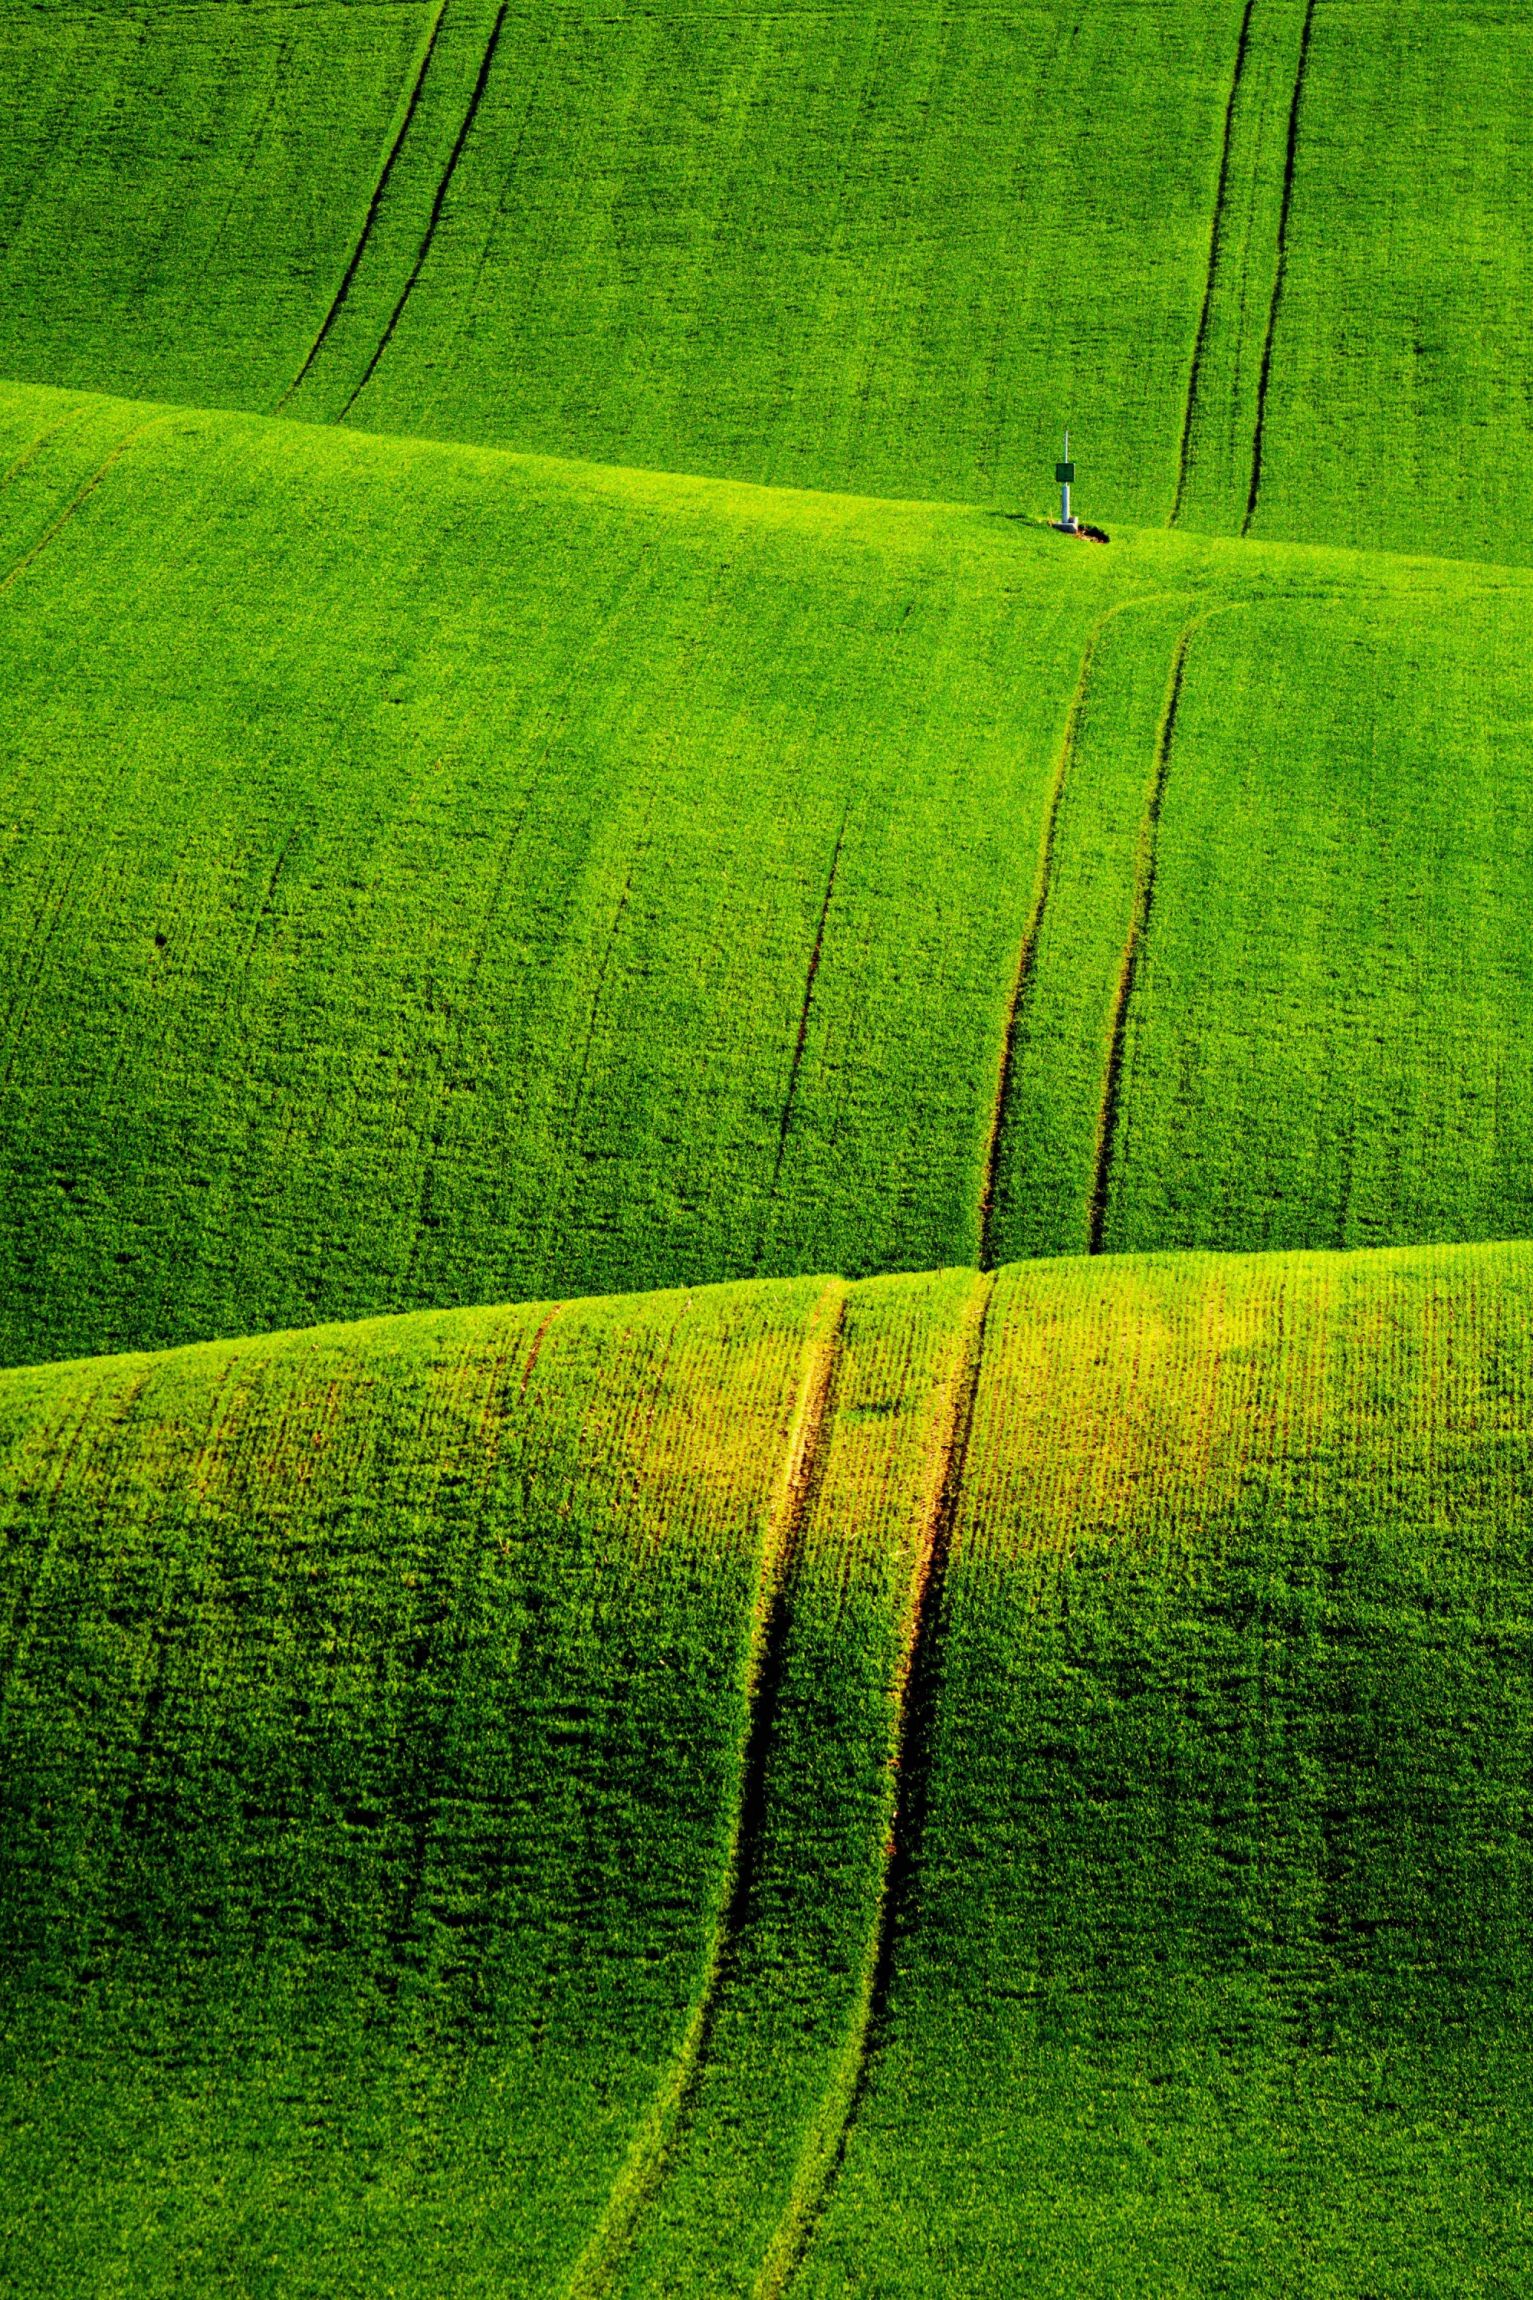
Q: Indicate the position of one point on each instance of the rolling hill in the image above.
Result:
(635, 882)
(908, 1787)
(1268, 257)
(941, 1705)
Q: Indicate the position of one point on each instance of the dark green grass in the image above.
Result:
(180, 187)
(886, 248)
(1290, 816)
(1215, 1977)
(690, 1794)
(372, 1704)
(1398, 413)
(631, 881)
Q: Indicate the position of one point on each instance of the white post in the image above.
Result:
(1064, 490)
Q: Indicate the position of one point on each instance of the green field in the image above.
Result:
(639, 882)
(942, 1704)
(937, 1785)
(880, 247)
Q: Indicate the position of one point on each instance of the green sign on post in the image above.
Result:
(1064, 473)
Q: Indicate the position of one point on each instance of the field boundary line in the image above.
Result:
(1027, 953)
(915, 1692)
(1215, 237)
(803, 1471)
(404, 118)
(40, 546)
(439, 202)
(1280, 273)
(785, 1120)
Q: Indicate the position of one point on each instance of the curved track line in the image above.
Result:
(1215, 231)
(803, 1472)
(536, 1351)
(437, 205)
(785, 1121)
(915, 1696)
(1144, 896)
(1280, 274)
(405, 121)
(70, 508)
(1027, 955)
(35, 446)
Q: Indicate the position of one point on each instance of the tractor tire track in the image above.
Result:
(916, 1694)
(1027, 955)
(1290, 158)
(636, 863)
(557, 725)
(138, 1801)
(380, 192)
(1139, 921)
(439, 1663)
(1215, 235)
(36, 550)
(437, 205)
(35, 446)
(790, 1099)
(813, 1419)
(64, 1452)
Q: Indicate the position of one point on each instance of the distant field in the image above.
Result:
(944, 1785)
(636, 881)
(1268, 257)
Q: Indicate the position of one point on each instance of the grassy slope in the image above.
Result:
(598, 281)
(180, 186)
(450, 1745)
(641, 881)
(449, 937)
(1399, 410)
(1229, 1806)
(887, 248)
(392, 1681)
(915, 1787)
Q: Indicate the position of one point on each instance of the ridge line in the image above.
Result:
(1280, 271)
(915, 1693)
(1215, 232)
(437, 205)
(812, 1419)
(405, 121)
(1515, 573)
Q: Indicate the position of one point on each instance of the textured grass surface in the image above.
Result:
(1267, 257)
(180, 187)
(930, 1786)
(637, 881)
(1229, 1801)
(1007, 1779)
